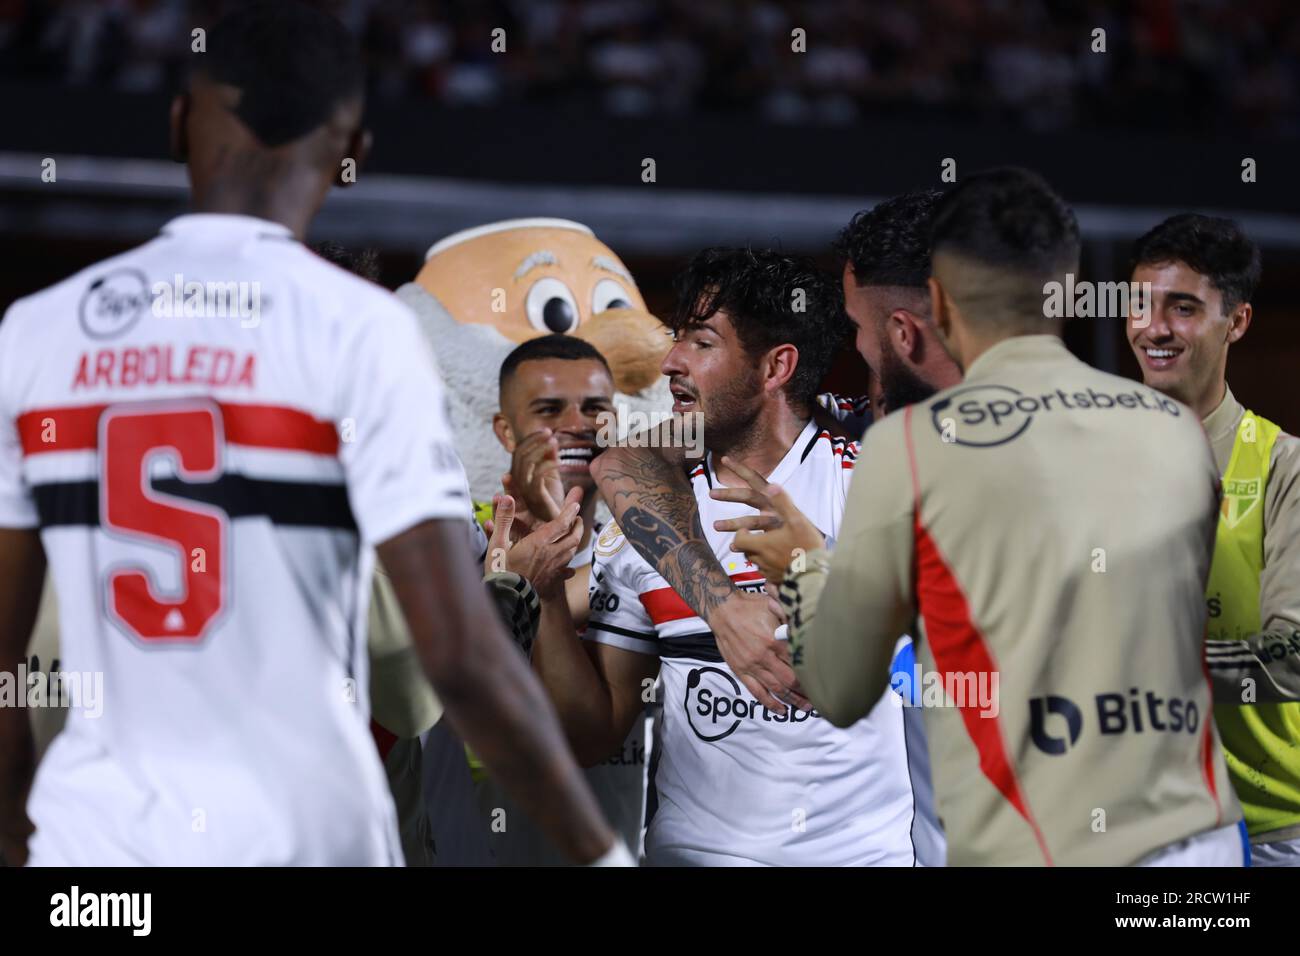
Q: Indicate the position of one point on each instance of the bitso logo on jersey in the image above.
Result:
(1140, 713)
(113, 303)
(1039, 708)
(990, 415)
(716, 713)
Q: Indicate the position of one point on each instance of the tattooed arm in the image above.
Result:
(651, 499)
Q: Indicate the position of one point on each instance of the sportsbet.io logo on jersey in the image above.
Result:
(984, 416)
(716, 705)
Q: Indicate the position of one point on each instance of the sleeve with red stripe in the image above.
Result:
(618, 616)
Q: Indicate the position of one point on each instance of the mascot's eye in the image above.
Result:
(608, 294)
(551, 306)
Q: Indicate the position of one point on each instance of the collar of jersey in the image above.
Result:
(1223, 421)
(229, 224)
(787, 464)
(1013, 350)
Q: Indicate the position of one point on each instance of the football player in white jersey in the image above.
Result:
(734, 782)
(209, 480)
(886, 264)
(885, 253)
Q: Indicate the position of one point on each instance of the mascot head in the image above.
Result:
(485, 290)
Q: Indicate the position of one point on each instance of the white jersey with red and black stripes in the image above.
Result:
(733, 783)
(854, 414)
(208, 487)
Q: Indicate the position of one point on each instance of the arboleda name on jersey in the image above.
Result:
(130, 366)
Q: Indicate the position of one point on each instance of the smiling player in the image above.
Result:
(992, 522)
(555, 392)
(1203, 272)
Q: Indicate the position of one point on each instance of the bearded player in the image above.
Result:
(734, 782)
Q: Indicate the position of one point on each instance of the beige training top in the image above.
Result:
(1051, 528)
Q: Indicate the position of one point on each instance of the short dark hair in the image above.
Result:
(1216, 248)
(292, 64)
(363, 262)
(556, 346)
(757, 290)
(1011, 219)
(889, 244)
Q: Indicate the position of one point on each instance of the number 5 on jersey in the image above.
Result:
(132, 437)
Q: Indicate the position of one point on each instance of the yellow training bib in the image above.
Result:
(1261, 741)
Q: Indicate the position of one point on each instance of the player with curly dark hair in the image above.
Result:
(754, 333)
(771, 303)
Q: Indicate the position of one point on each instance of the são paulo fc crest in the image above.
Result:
(610, 540)
(1240, 496)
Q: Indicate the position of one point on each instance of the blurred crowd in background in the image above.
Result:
(1217, 64)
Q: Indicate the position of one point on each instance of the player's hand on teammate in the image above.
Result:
(744, 628)
(827, 422)
(534, 476)
(774, 601)
(775, 536)
(744, 624)
(542, 556)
